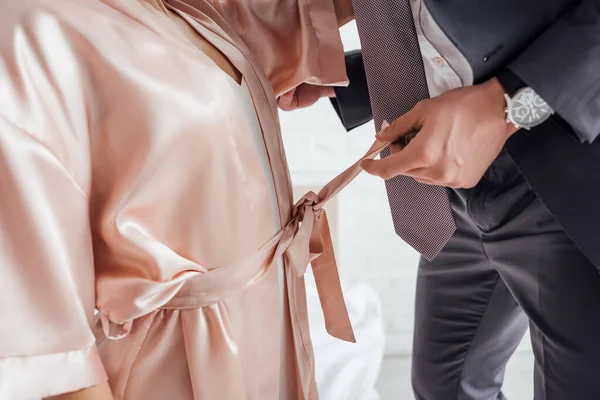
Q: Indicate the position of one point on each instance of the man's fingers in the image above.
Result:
(396, 147)
(396, 164)
(327, 91)
(308, 95)
(425, 181)
(288, 101)
(422, 174)
(407, 123)
(438, 174)
(303, 96)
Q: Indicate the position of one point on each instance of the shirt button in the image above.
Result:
(439, 61)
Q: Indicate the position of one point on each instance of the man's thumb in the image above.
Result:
(287, 101)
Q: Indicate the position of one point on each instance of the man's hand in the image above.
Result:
(303, 96)
(460, 134)
(343, 11)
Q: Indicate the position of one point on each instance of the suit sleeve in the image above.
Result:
(352, 103)
(563, 66)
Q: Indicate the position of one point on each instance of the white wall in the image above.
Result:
(318, 148)
(367, 249)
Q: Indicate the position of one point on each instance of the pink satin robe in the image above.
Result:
(129, 183)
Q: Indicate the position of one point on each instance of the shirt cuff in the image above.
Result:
(352, 103)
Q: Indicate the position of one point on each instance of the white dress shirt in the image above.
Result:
(445, 66)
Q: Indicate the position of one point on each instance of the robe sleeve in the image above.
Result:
(295, 40)
(46, 273)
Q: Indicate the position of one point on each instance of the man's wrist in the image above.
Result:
(524, 107)
(496, 93)
(343, 11)
(510, 83)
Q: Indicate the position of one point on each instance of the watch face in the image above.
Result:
(528, 109)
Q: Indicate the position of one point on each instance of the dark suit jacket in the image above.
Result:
(554, 47)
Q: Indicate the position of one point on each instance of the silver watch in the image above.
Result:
(526, 109)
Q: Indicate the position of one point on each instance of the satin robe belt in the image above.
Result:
(305, 239)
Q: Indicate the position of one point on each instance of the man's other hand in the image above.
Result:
(303, 96)
(343, 11)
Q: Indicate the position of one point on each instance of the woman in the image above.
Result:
(142, 174)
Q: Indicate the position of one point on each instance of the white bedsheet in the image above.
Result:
(348, 371)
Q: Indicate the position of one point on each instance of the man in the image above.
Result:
(525, 202)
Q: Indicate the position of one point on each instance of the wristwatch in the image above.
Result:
(524, 107)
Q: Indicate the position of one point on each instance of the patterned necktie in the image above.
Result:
(396, 78)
